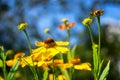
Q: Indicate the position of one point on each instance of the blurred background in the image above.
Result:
(42, 14)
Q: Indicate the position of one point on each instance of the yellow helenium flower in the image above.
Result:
(87, 21)
(22, 26)
(49, 48)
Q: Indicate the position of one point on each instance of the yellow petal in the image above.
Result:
(39, 43)
(11, 62)
(39, 50)
(83, 66)
(62, 49)
(60, 43)
(18, 55)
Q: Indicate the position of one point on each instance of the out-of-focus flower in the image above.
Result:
(1, 78)
(97, 13)
(13, 61)
(49, 48)
(87, 21)
(66, 25)
(60, 77)
(47, 30)
(22, 26)
(65, 65)
(75, 61)
(57, 62)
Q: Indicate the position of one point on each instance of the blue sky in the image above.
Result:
(43, 16)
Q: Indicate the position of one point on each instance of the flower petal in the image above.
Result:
(60, 43)
(37, 43)
(62, 49)
(83, 66)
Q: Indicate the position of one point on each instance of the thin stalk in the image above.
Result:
(91, 37)
(4, 67)
(68, 32)
(28, 40)
(53, 69)
(99, 45)
(99, 35)
(3, 56)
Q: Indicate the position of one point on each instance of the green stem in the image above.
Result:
(68, 32)
(28, 40)
(4, 67)
(3, 56)
(99, 35)
(91, 37)
(53, 69)
(99, 46)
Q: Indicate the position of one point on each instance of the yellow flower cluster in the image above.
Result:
(43, 55)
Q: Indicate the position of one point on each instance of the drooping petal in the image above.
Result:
(11, 62)
(18, 55)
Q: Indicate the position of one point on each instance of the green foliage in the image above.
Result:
(105, 72)
(13, 70)
(45, 75)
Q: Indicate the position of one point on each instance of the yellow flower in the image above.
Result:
(22, 26)
(87, 21)
(13, 61)
(83, 66)
(97, 13)
(48, 49)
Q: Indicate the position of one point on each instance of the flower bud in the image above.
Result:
(22, 26)
(87, 21)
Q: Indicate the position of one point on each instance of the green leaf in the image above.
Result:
(13, 70)
(100, 66)
(45, 75)
(95, 57)
(73, 50)
(1, 63)
(105, 72)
